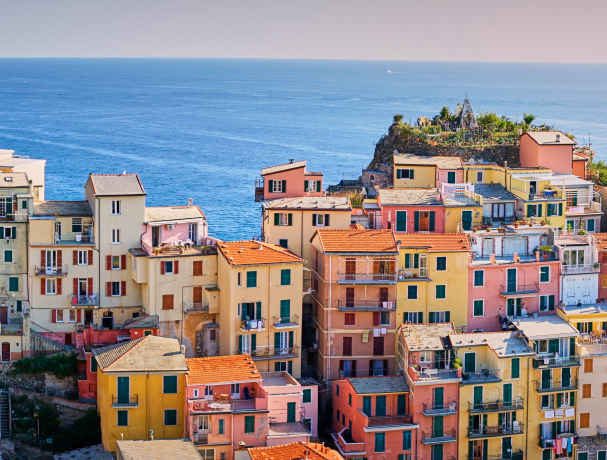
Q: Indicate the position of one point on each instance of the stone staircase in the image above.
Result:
(5, 413)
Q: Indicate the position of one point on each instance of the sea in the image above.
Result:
(203, 128)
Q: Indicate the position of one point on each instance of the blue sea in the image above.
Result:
(204, 128)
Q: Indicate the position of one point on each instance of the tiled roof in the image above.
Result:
(13, 179)
(160, 449)
(255, 253)
(116, 184)
(409, 196)
(494, 192)
(550, 138)
(436, 242)
(146, 354)
(443, 162)
(310, 202)
(545, 327)
(222, 369)
(62, 208)
(368, 385)
(294, 451)
(507, 343)
(357, 240)
(426, 337)
(168, 213)
(283, 167)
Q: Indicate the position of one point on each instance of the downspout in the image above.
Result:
(329, 316)
(268, 319)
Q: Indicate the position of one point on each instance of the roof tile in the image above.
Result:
(222, 369)
(357, 240)
(437, 242)
(255, 253)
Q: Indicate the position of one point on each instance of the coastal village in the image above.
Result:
(451, 303)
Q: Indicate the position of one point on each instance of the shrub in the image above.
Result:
(61, 365)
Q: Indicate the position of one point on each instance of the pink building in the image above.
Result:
(288, 180)
(550, 149)
(409, 210)
(230, 404)
(426, 362)
(355, 302)
(510, 276)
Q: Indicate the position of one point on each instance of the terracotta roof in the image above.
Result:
(222, 369)
(146, 354)
(116, 184)
(159, 449)
(436, 242)
(550, 138)
(601, 241)
(255, 253)
(356, 240)
(283, 167)
(294, 451)
(444, 162)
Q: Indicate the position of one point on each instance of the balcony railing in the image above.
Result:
(271, 352)
(553, 386)
(412, 274)
(496, 430)
(515, 455)
(348, 447)
(366, 278)
(253, 324)
(51, 271)
(282, 321)
(496, 406)
(200, 437)
(556, 361)
(130, 401)
(519, 289)
(580, 269)
(365, 305)
(432, 410)
(13, 327)
(484, 376)
(547, 443)
(227, 404)
(195, 307)
(85, 300)
(388, 420)
(19, 216)
(561, 412)
(438, 438)
(259, 189)
(428, 374)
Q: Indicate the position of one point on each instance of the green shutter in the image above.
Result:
(560, 209)
(13, 284)
(367, 405)
(307, 395)
(249, 423)
(401, 221)
(169, 384)
(285, 311)
(291, 412)
(479, 277)
(257, 310)
(291, 338)
(251, 279)
(318, 186)
(240, 344)
(530, 210)
(431, 221)
(380, 442)
(253, 342)
(407, 260)
(539, 210)
(285, 277)
(123, 418)
(401, 405)
(276, 340)
(416, 221)
(431, 315)
(507, 390)
(416, 261)
(440, 291)
(276, 218)
(289, 219)
(380, 406)
(515, 371)
(8, 255)
(406, 440)
(478, 396)
(220, 427)
(478, 308)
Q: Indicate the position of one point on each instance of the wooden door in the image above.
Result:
(3, 315)
(350, 269)
(349, 297)
(6, 351)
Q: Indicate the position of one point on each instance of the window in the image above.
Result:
(402, 173)
(320, 220)
(441, 264)
(586, 390)
(251, 279)
(515, 368)
(71, 316)
(401, 221)
(451, 177)
(170, 417)
(479, 176)
(93, 364)
(440, 316)
(411, 292)
(384, 317)
(193, 233)
(115, 207)
(115, 288)
(116, 263)
(479, 308)
(285, 277)
(590, 225)
(367, 405)
(83, 258)
(588, 365)
(406, 440)
(350, 399)
(307, 395)
(604, 390)
(601, 455)
(546, 302)
(380, 442)
(8, 256)
(349, 319)
(76, 224)
(115, 235)
(249, 424)
(312, 185)
(169, 384)
(424, 221)
(167, 302)
(277, 186)
(220, 426)
(58, 316)
(283, 219)
(479, 277)
(13, 284)
(283, 243)
(534, 210)
(441, 291)
(584, 420)
(544, 274)
(123, 418)
(413, 317)
(51, 286)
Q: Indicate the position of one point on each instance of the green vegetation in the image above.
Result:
(598, 172)
(61, 365)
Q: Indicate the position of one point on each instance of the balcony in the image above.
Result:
(580, 269)
(201, 437)
(346, 446)
(13, 327)
(552, 413)
(496, 430)
(130, 401)
(549, 361)
(433, 410)
(434, 374)
(85, 300)
(496, 406)
(366, 278)
(438, 438)
(261, 353)
(85, 237)
(224, 403)
(19, 216)
(259, 189)
(249, 325)
(365, 305)
(515, 455)
(413, 274)
(51, 271)
(195, 307)
(281, 322)
(520, 290)
(388, 421)
(548, 443)
(554, 386)
(484, 376)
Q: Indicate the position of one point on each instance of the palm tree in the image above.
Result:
(528, 118)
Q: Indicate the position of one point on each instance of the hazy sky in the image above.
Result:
(476, 30)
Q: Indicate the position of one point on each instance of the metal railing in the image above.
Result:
(130, 401)
(496, 430)
(438, 438)
(519, 289)
(269, 352)
(580, 269)
(366, 277)
(430, 410)
(51, 271)
(85, 300)
(484, 376)
(496, 406)
(556, 361)
(389, 420)
(412, 273)
(434, 374)
(365, 305)
(252, 324)
(552, 386)
(193, 307)
(283, 321)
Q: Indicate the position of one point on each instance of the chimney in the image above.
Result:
(182, 348)
(558, 137)
(291, 160)
(190, 201)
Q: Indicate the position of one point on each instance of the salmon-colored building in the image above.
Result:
(291, 451)
(511, 277)
(425, 358)
(355, 302)
(409, 210)
(288, 180)
(550, 149)
(372, 418)
(601, 246)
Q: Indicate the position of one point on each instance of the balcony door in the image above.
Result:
(350, 269)
(383, 295)
(514, 307)
(349, 297)
(467, 220)
(511, 280)
(439, 400)
(123, 390)
(51, 260)
(291, 412)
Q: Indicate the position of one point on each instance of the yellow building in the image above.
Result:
(141, 390)
(416, 171)
(553, 386)
(463, 211)
(484, 173)
(433, 278)
(493, 392)
(291, 222)
(261, 288)
(537, 198)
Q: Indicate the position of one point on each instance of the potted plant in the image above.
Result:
(546, 251)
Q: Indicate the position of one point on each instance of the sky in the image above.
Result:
(434, 30)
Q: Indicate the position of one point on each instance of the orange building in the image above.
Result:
(292, 451)
(288, 180)
(355, 301)
(550, 149)
(372, 419)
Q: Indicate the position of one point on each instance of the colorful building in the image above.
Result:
(409, 211)
(288, 180)
(583, 208)
(291, 451)
(140, 390)
(433, 278)
(372, 418)
(550, 149)
(355, 302)
(415, 171)
(537, 199)
(579, 268)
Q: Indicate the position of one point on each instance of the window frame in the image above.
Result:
(166, 413)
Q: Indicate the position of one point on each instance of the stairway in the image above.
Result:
(5, 413)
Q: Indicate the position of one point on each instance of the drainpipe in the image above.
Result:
(329, 315)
